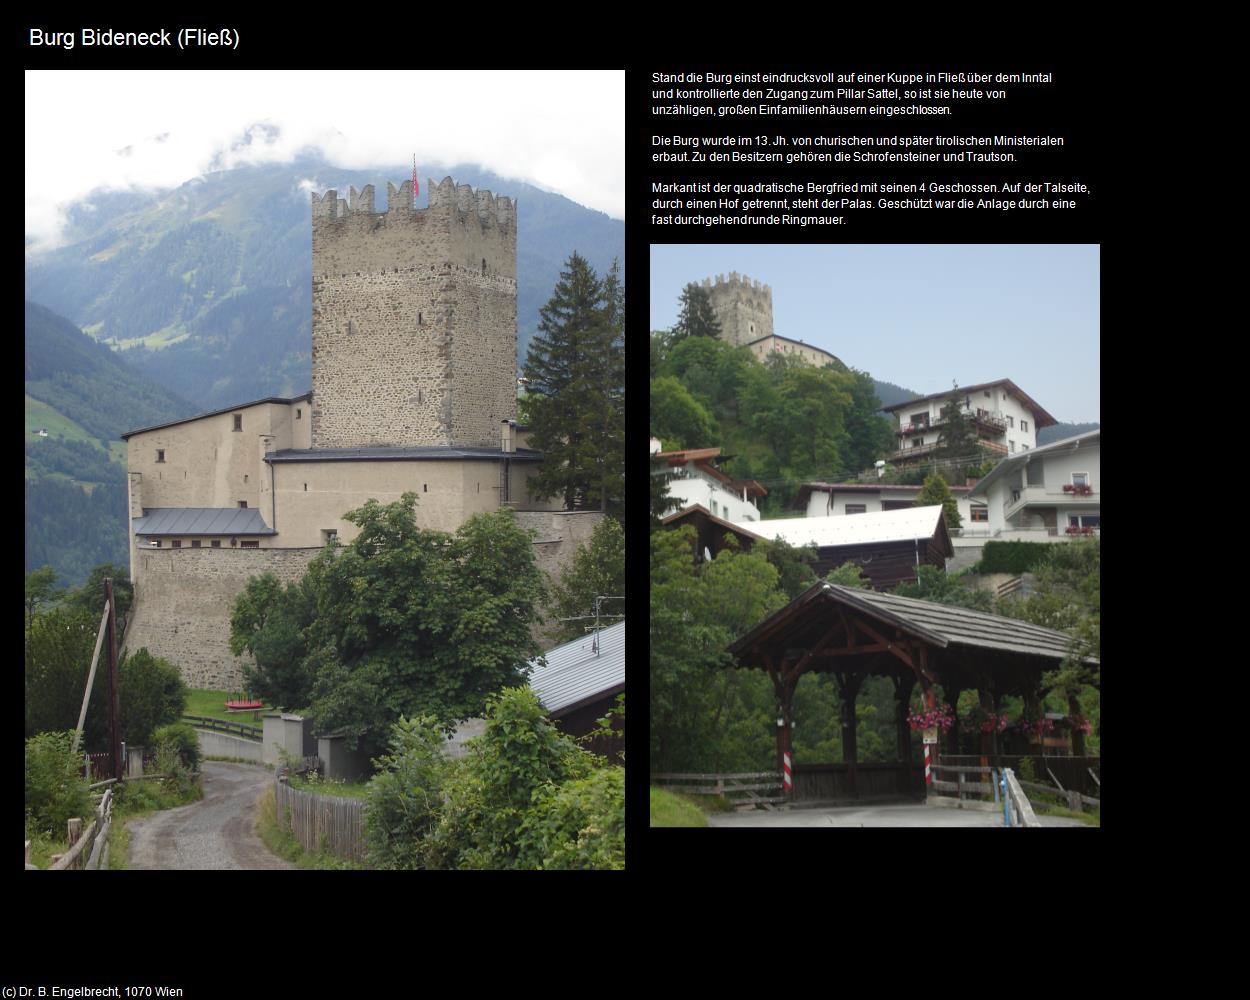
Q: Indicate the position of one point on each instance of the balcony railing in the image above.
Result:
(1047, 496)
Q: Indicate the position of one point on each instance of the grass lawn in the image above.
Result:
(338, 789)
(213, 705)
(668, 809)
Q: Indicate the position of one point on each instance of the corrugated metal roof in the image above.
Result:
(431, 453)
(574, 673)
(850, 529)
(201, 521)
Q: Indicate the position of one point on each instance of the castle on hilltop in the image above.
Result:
(744, 310)
(413, 390)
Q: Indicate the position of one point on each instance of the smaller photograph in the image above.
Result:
(875, 535)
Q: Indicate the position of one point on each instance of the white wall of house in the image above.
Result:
(1057, 471)
(691, 486)
(1019, 435)
(821, 503)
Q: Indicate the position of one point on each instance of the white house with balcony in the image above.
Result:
(1004, 418)
(1051, 492)
(697, 480)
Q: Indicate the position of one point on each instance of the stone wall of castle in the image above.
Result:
(744, 308)
(183, 600)
(414, 318)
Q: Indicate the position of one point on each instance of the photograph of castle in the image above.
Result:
(414, 388)
(325, 491)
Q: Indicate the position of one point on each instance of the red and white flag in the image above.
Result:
(415, 189)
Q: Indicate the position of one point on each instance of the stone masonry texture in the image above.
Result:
(744, 308)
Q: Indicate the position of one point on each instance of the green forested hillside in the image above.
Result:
(85, 398)
(1049, 435)
(781, 423)
(87, 383)
(207, 288)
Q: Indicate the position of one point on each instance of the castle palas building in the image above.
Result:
(414, 390)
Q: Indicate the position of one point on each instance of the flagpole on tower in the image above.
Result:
(415, 189)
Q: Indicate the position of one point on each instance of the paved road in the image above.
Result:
(874, 816)
(216, 832)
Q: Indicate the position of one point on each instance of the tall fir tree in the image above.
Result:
(697, 318)
(957, 439)
(575, 373)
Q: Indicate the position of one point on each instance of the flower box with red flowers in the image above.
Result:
(1079, 489)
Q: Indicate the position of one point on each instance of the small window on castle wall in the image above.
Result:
(483, 265)
(299, 414)
(418, 319)
(243, 504)
(160, 454)
(425, 487)
(238, 421)
(195, 543)
(216, 543)
(176, 543)
(245, 478)
(253, 544)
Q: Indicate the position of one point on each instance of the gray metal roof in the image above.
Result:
(427, 454)
(215, 413)
(946, 624)
(575, 673)
(854, 529)
(201, 521)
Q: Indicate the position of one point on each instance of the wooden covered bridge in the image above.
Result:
(855, 634)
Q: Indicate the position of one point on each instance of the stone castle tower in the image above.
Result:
(744, 308)
(413, 318)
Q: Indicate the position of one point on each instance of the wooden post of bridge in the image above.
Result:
(114, 707)
(902, 699)
(1078, 737)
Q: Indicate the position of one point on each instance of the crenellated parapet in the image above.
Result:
(739, 282)
(446, 198)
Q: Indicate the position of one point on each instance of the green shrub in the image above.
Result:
(518, 757)
(54, 791)
(406, 796)
(1013, 557)
(182, 737)
(580, 824)
(151, 692)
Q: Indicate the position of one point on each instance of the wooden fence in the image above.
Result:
(225, 726)
(326, 823)
(962, 786)
(742, 789)
(1080, 773)
(89, 848)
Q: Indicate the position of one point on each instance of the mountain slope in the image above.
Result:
(87, 383)
(207, 288)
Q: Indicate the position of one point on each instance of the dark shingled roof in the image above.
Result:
(428, 454)
(940, 625)
(201, 521)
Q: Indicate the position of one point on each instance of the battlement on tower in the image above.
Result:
(738, 281)
(446, 199)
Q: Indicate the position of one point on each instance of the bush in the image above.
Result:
(183, 738)
(406, 797)
(519, 757)
(1013, 557)
(54, 791)
(580, 824)
(151, 693)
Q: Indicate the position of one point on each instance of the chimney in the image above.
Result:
(507, 436)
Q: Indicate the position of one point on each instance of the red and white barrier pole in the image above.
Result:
(928, 776)
(785, 771)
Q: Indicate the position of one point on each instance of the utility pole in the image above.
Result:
(114, 706)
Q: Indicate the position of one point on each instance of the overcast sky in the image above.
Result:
(923, 315)
(561, 131)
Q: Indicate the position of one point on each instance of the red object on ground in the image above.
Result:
(245, 704)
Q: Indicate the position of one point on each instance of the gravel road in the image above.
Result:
(216, 832)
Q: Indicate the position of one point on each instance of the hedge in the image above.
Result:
(1013, 557)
